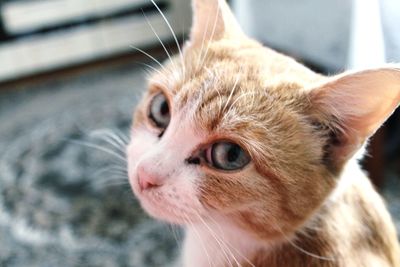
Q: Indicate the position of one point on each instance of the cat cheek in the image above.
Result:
(219, 193)
(141, 141)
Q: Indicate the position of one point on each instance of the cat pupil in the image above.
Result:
(164, 109)
(233, 153)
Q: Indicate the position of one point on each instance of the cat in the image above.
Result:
(256, 155)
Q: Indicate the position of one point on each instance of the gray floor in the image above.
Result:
(63, 204)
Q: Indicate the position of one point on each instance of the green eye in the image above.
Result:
(159, 111)
(227, 156)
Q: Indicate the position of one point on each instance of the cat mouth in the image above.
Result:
(158, 206)
(164, 203)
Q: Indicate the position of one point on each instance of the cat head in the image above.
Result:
(231, 129)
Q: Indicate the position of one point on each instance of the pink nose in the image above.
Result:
(148, 180)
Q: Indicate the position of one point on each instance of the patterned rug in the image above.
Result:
(64, 202)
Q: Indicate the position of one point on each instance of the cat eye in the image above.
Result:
(159, 111)
(227, 156)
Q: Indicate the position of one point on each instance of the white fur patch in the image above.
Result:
(165, 158)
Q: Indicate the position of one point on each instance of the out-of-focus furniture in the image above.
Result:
(41, 35)
(312, 30)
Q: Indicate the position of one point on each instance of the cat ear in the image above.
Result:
(354, 105)
(212, 20)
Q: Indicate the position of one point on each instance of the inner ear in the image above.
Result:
(212, 20)
(352, 106)
(334, 141)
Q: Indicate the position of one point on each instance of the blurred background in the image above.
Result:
(71, 72)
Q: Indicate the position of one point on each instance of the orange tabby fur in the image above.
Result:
(304, 196)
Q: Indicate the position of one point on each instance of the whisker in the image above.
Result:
(116, 135)
(116, 174)
(237, 99)
(232, 92)
(202, 44)
(212, 35)
(173, 34)
(123, 169)
(114, 178)
(124, 136)
(148, 55)
(159, 39)
(101, 185)
(110, 169)
(149, 76)
(123, 173)
(110, 140)
(150, 67)
(211, 74)
(235, 249)
(100, 148)
(174, 233)
(300, 248)
(149, 73)
(113, 175)
(221, 244)
(198, 236)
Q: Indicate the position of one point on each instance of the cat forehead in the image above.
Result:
(223, 61)
(229, 84)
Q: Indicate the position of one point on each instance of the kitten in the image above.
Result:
(255, 154)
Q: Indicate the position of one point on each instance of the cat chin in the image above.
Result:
(164, 211)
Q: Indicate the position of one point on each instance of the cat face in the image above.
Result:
(233, 130)
(217, 137)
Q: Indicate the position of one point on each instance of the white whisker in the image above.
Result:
(175, 234)
(237, 99)
(152, 68)
(119, 169)
(116, 135)
(235, 249)
(173, 34)
(148, 55)
(198, 236)
(100, 148)
(221, 243)
(116, 178)
(159, 39)
(232, 92)
(300, 248)
(212, 35)
(110, 140)
(202, 44)
(108, 183)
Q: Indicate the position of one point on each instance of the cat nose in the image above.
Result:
(148, 180)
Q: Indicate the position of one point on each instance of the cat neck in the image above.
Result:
(217, 242)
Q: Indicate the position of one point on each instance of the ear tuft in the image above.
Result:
(355, 105)
(212, 20)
